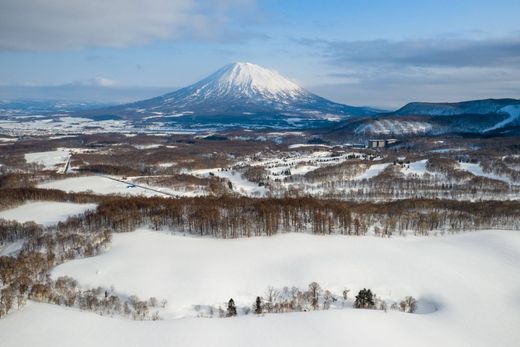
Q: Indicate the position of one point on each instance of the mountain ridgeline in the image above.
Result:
(489, 117)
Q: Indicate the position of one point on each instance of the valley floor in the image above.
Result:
(467, 286)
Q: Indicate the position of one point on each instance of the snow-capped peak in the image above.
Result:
(248, 78)
(244, 89)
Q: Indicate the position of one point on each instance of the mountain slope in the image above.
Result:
(486, 106)
(241, 89)
(485, 117)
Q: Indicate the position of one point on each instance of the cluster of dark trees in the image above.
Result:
(314, 298)
(368, 300)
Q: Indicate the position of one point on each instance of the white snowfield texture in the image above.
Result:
(417, 168)
(373, 171)
(63, 125)
(473, 280)
(245, 80)
(49, 159)
(107, 185)
(99, 185)
(477, 170)
(45, 212)
(248, 76)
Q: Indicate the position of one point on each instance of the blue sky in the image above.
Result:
(377, 53)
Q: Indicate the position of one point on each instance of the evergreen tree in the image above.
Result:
(364, 299)
(231, 308)
(258, 305)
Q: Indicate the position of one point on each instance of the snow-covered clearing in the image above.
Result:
(305, 145)
(148, 146)
(473, 279)
(477, 170)
(417, 168)
(98, 185)
(45, 212)
(372, 172)
(167, 165)
(106, 185)
(49, 159)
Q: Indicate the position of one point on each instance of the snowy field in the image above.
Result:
(477, 170)
(45, 212)
(62, 125)
(102, 185)
(51, 159)
(371, 172)
(472, 280)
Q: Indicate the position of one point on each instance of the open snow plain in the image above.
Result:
(467, 286)
(45, 212)
(99, 185)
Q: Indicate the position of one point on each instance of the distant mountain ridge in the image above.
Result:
(241, 90)
(485, 106)
(485, 117)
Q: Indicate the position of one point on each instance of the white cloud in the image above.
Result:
(389, 74)
(96, 82)
(73, 24)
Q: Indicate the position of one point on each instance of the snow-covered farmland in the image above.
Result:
(62, 125)
(106, 185)
(45, 212)
(97, 185)
(51, 159)
(472, 280)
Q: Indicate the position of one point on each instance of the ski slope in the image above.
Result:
(373, 171)
(514, 113)
(477, 170)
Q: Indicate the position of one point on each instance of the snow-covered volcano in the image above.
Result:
(242, 89)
